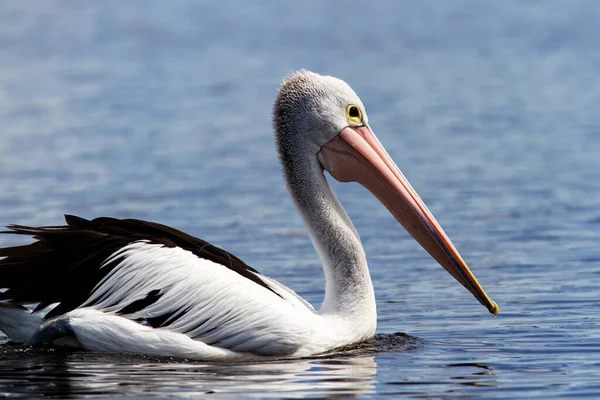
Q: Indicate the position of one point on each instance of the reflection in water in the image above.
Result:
(57, 373)
(350, 373)
(474, 374)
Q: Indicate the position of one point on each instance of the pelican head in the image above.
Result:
(319, 120)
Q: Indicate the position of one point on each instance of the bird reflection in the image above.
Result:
(80, 374)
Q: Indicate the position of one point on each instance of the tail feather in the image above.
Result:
(18, 323)
(61, 266)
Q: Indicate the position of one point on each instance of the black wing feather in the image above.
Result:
(63, 264)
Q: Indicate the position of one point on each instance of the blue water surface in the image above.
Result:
(162, 111)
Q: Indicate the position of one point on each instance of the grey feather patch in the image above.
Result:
(56, 331)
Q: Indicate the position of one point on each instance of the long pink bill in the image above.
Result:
(357, 155)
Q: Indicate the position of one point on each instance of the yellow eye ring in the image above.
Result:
(353, 114)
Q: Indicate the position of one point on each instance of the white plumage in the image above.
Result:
(226, 315)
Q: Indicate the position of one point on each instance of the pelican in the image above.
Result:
(134, 286)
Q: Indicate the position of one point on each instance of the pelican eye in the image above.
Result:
(353, 114)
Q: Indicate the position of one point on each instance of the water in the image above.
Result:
(162, 111)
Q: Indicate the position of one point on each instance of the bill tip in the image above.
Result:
(494, 309)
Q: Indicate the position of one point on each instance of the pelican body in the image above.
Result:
(140, 287)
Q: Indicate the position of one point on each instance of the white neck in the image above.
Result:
(349, 291)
